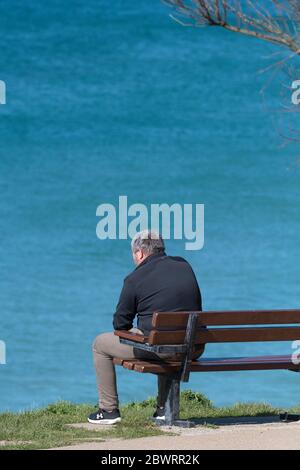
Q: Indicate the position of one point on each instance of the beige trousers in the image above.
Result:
(105, 348)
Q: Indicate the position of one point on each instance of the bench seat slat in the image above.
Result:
(118, 361)
(126, 363)
(216, 364)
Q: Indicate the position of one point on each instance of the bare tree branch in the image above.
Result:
(276, 21)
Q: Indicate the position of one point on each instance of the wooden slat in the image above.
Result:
(131, 336)
(217, 364)
(121, 362)
(130, 364)
(173, 320)
(157, 367)
(118, 361)
(148, 368)
(228, 335)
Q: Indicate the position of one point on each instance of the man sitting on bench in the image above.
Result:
(160, 283)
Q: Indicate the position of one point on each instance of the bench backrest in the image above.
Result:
(227, 327)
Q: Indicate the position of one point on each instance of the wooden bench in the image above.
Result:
(178, 332)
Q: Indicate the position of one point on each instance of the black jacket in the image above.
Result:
(161, 283)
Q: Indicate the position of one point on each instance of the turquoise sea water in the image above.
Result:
(107, 99)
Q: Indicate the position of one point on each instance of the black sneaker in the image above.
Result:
(105, 417)
(159, 413)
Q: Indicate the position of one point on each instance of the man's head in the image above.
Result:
(146, 243)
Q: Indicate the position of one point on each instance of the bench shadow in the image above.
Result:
(236, 420)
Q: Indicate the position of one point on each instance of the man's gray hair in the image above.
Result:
(148, 241)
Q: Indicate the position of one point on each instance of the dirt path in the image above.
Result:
(242, 435)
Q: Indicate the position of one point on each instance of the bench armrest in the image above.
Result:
(131, 336)
(141, 342)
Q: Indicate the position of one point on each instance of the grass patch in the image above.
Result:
(46, 427)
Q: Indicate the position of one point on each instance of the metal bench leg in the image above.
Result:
(169, 396)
